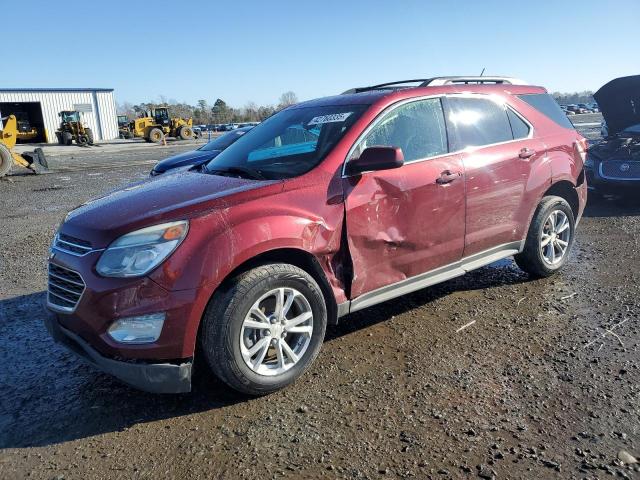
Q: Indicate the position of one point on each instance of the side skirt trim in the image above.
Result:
(432, 277)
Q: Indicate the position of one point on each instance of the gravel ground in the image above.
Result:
(544, 384)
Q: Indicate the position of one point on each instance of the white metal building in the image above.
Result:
(42, 105)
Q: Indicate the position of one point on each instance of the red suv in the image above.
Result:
(326, 208)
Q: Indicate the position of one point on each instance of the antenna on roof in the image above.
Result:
(482, 72)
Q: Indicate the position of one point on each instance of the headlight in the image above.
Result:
(137, 253)
(142, 329)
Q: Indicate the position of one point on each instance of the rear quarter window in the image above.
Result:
(545, 104)
(519, 127)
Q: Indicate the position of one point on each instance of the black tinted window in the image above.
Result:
(546, 105)
(418, 128)
(519, 127)
(478, 121)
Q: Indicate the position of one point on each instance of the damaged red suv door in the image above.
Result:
(406, 221)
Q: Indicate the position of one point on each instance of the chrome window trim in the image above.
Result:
(626, 179)
(393, 106)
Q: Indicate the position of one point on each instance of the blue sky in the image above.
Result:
(251, 50)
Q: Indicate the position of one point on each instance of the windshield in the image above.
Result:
(289, 143)
(223, 141)
(70, 117)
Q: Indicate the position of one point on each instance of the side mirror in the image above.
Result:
(376, 158)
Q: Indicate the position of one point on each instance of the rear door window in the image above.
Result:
(545, 104)
(478, 121)
(418, 128)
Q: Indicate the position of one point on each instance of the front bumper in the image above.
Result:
(611, 185)
(150, 377)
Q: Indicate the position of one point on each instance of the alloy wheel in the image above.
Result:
(276, 331)
(555, 237)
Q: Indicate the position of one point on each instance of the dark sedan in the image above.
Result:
(201, 155)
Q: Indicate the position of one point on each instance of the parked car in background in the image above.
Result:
(200, 156)
(576, 109)
(586, 107)
(594, 107)
(327, 207)
(567, 111)
(613, 165)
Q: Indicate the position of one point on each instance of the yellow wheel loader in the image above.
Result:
(73, 130)
(26, 131)
(157, 124)
(35, 161)
(124, 127)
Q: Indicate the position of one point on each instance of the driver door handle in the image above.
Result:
(447, 177)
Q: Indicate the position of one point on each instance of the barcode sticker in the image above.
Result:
(334, 117)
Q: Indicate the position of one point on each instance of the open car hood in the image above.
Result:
(619, 102)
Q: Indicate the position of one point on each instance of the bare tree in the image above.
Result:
(287, 99)
(251, 112)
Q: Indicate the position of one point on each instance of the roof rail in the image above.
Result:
(438, 81)
(382, 86)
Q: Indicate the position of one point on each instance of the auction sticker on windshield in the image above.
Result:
(335, 117)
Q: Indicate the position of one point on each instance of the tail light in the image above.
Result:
(581, 146)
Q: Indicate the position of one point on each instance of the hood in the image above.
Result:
(194, 157)
(182, 195)
(619, 102)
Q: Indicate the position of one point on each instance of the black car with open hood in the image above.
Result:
(619, 102)
(613, 165)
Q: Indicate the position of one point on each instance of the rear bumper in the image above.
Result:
(150, 377)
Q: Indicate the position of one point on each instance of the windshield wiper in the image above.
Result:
(246, 171)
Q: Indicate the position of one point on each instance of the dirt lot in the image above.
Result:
(544, 384)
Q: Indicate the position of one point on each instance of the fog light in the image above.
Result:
(142, 329)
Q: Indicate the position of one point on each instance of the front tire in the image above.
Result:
(6, 160)
(264, 330)
(185, 132)
(155, 135)
(549, 240)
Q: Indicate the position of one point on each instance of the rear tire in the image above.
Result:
(549, 240)
(155, 135)
(59, 137)
(6, 160)
(229, 330)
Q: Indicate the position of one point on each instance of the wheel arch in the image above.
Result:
(293, 256)
(567, 190)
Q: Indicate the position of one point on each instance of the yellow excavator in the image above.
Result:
(34, 161)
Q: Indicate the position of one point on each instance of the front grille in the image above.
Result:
(72, 245)
(620, 170)
(65, 288)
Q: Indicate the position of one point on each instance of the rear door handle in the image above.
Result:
(447, 177)
(526, 153)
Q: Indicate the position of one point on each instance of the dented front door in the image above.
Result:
(403, 222)
(409, 220)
